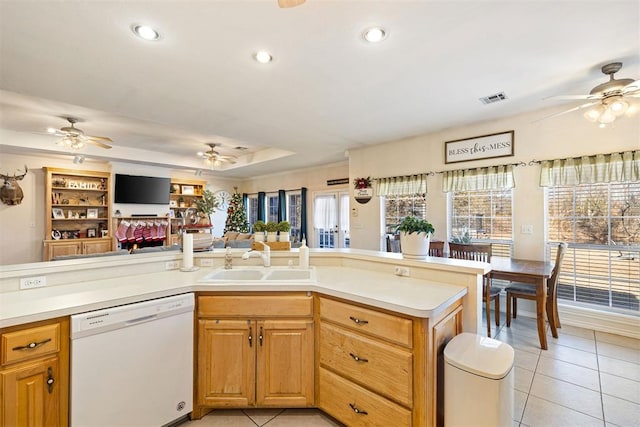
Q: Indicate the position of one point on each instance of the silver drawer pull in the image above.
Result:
(32, 345)
(356, 410)
(358, 358)
(358, 321)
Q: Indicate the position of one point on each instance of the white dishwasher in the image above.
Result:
(132, 365)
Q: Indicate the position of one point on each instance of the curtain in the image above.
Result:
(408, 185)
(261, 213)
(303, 212)
(489, 178)
(324, 213)
(282, 205)
(601, 168)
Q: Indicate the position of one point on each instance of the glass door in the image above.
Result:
(331, 220)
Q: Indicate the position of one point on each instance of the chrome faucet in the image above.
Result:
(265, 255)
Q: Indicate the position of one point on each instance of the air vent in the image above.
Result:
(496, 97)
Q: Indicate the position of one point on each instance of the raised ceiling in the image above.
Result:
(326, 91)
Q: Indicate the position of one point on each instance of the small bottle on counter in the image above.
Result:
(303, 260)
(228, 260)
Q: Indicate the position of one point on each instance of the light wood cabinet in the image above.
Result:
(77, 212)
(255, 351)
(34, 374)
(379, 368)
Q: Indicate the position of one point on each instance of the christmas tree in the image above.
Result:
(236, 215)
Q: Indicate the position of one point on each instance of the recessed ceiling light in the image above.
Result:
(145, 32)
(263, 57)
(374, 34)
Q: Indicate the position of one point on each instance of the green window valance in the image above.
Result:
(601, 168)
(488, 178)
(407, 185)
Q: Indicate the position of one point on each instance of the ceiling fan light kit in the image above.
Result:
(608, 100)
(75, 139)
(213, 158)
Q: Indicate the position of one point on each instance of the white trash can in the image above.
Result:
(478, 382)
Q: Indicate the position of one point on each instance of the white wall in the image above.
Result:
(569, 135)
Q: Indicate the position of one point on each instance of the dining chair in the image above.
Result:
(436, 248)
(478, 252)
(517, 290)
(393, 243)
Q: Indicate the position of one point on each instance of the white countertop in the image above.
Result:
(415, 297)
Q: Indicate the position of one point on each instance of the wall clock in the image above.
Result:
(224, 197)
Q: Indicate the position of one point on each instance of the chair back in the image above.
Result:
(471, 252)
(393, 243)
(436, 248)
(552, 288)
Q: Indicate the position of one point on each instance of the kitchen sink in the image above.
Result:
(268, 274)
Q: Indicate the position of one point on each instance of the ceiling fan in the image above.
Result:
(290, 3)
(75, 138)
(213, 157)
(609, 100)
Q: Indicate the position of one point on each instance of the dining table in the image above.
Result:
(536, 273)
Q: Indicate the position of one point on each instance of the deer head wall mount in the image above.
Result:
(11, 193)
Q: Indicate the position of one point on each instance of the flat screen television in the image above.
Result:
(148, 190)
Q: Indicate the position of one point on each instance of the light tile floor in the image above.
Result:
(585, 378)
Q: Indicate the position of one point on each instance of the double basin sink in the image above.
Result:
(262, 274)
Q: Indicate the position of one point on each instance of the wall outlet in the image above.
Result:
(171, 265)
(33, 282)
(526, 229)
(206, 262)
(402, 271)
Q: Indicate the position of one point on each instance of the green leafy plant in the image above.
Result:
(259, 226)
(208, 203)
(412, 224)
(272, 227)
(284, 226)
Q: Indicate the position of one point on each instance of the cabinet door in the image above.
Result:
(27, 398)
(63, 248)
(285, 363)
(96, 246)
(226, 363)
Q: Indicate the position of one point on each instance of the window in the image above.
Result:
(483, 216)
(272, 207)
(294, 214)
(252, 209)
(398, 207)
(601, 224)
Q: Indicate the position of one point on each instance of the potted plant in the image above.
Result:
(284, 228)
(415, 235)
(258, 229)
(272, 231)
(207, 204)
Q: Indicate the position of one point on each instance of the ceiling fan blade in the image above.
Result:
(289, 3)
(98, 143)
(572, 97)
(579, 107)
(101, 138)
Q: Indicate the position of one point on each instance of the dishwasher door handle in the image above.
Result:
(141, 319)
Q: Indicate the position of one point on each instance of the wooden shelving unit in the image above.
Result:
(77, 212)
(184, 193)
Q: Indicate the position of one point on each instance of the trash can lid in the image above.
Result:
(479, 355)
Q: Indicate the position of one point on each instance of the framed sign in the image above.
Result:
(479, 147)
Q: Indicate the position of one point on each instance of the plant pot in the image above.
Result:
(415, 245)
(258, 237)
(272, 236)
(285, 236)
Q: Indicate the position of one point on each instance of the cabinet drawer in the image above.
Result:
(391, 328)
(29, 343)
(380, 367)
(255, 305)
(340, 398)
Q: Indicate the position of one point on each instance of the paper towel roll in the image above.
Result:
(187, 251)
